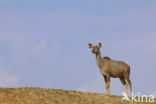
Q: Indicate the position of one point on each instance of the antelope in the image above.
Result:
(111, 68)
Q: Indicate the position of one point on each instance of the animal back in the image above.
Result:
(107, 58)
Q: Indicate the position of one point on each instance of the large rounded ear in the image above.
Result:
(100, 45)
(90, 45)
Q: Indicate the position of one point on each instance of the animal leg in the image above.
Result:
(105, 78)
(130, 85)
(125, 85)
(108, 85)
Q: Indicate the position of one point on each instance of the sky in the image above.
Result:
(44, 43)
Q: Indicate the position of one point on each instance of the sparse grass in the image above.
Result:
(29, 95)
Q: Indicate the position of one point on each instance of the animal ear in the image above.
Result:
(90, 45)
(100, 45)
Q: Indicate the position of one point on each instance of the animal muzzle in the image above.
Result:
(93, 51)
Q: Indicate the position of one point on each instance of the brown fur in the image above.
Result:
(107, 58)
(111, 68)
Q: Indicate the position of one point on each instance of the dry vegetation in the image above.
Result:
(28, 95)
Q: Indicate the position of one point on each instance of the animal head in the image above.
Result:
(96, 48)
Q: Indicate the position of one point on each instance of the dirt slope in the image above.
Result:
(28, 95)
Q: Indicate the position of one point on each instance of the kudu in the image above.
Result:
(111, 68)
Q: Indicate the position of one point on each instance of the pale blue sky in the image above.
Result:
(43, 43)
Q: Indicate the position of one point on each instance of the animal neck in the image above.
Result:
(99, 60)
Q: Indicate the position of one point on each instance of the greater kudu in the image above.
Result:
(111, 68)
